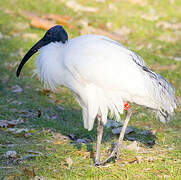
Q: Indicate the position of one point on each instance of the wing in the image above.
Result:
(105, 63)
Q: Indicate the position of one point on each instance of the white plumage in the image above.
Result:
(103, 74)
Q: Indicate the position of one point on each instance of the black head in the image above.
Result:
(54, 34)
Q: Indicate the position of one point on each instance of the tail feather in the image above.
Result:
(164, 94)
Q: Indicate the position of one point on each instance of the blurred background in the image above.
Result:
(150, 28)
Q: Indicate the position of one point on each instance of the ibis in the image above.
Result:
(104, 76)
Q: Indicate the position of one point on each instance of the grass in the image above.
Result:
(162, 161)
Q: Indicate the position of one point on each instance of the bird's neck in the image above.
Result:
(49, 65)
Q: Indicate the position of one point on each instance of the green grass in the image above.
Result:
(162, 161)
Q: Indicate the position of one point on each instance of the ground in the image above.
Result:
(48, 132)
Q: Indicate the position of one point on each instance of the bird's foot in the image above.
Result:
(114, 155)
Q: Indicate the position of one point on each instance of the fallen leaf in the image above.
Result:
(168, 25)
(84, 154)
(75, 6)
(46, 21)
(69, 162)
(101, 1)
(109, 25)
(163, 67)
(57, 142)
(98, 31)
(138, 2)
(59, 136)
(21, 26)
(30, 173)
(172, 1)
(150, 17)
(139, 159)
(12, 123)
(172, 58)
(42, 23)
(16, 89)
(123, 31)
(169, 38)
(149, 159)
(62, 20)
(133, 146)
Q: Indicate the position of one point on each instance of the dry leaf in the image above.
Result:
(21, 26)
(98, 31)
(83, 154)
(163, 67)
(171, 57)
(75, 6)
(62, 20)
(133, 146)
(150, 17)
(46, 21)
(139, 159)
(123, 31)
(42, 23)
(138, 2)
(30, 173)
(101, 1)
(169, 38)
(12, 123)
(57, 142)
(167, 25)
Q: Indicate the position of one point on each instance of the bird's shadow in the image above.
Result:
(143, 136)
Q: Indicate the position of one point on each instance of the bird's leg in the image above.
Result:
(116, 150)
(122, 133)
(99, 139)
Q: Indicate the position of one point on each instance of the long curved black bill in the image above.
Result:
(32, 51)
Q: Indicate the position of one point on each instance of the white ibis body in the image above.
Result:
(103, 75)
